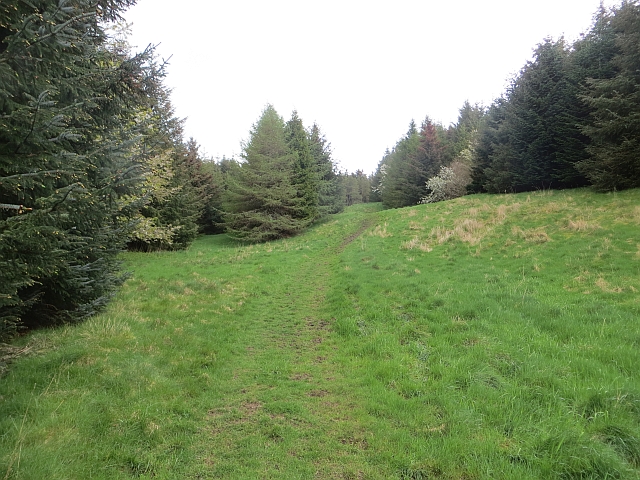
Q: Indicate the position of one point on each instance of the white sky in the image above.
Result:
(360, 69)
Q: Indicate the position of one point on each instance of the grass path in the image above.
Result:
(286, 411)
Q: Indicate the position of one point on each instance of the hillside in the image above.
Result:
(483, 338)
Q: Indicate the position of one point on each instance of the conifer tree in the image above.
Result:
(206, 178)
(614, 98)
(430, 154)
(71, 111)
(531, 138)
(329, 188)
(401, 184)
(261, 200)
(170, 202)
(416, 157)
(378, 180)
(305, 173)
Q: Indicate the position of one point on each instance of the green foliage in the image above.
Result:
(212, 219)
(172, 199)
(355, 187)
(532, 139)
(305, 170)
(415, 158)
(614, 98)
(401, 185)
(71, 111)
(463, 135)
(570, 117)
(330, 195)
(287, 181)
(262, 200)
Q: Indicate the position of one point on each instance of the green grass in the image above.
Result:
(490, 337)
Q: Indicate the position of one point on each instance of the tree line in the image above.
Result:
(93, 159)
(569, 118)
(93, 162)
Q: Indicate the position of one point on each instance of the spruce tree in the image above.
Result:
(261, 201)
(430, 154)
(305, 173)
(71, 109)
(170, 202)
(329, 188)
(614, 97)
(206, 178)
(531, 138)
(402, 186)
(417, 157)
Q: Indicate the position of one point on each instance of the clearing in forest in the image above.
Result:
(486, 337)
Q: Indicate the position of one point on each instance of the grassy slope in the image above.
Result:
(488, 337)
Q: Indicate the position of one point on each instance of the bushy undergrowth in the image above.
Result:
(481, 338)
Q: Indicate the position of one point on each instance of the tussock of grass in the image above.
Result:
(581, 225)
(380, 231)
(490, 337)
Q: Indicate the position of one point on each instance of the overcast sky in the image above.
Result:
(360, 69)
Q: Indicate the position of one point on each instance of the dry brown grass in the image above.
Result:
(469, 229)
(416, 243)
(441, 234)
(582, 225)
(534, 235)
(554, 207)
(380, 231)
(603, 285)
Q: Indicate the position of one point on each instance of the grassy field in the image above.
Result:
(490, 337)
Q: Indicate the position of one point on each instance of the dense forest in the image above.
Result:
(93, 159)
(569, 118)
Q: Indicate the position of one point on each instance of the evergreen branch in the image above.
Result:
(60, 27)
(71, 187)
(33, 122)
(34, 174)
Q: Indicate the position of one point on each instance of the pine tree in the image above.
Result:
(261, 200)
